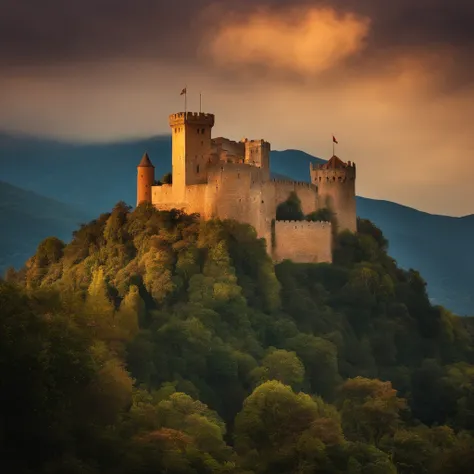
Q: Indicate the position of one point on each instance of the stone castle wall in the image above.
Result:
(303, 241)
(241, 192)
(308, 194)
(193, 201)
(236, 191)
(221, 178)
(162, 197)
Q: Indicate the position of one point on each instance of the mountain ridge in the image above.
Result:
(27, 217)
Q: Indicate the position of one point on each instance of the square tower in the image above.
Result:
(257, 153)
(191, 149)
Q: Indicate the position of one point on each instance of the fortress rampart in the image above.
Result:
(226, 179)
(296, 184)
(303, 241)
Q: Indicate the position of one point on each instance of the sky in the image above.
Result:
(392, 80)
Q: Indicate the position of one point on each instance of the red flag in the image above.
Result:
(334, 139)
(183, 91)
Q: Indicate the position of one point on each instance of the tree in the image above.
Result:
(98, 311)
(280, 365)
(320, 361)
(167, 178)
(290, 210)
(131, 311)
(49, 251)
(324, 214)
(370, 409)
(278, 429)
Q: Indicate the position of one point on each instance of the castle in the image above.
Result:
(220, 178)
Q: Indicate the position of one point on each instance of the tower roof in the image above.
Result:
(334, 163)
(145, 162)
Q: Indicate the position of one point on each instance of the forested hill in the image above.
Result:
(93, 177)
(156, 343)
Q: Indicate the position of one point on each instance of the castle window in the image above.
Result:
(202, 131)
(238, 175)
(197, 168)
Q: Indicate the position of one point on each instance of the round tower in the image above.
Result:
(145, 179)
(336, 191)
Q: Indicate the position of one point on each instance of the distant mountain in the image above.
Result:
(26, 218)
(92, 178)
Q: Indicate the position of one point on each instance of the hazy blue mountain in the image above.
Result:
(92, 178)
(26, 218)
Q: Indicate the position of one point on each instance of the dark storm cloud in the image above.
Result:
(55, 31)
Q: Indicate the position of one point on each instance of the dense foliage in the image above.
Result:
(153, 342)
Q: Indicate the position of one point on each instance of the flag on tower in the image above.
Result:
(334, 140)
(183, 91)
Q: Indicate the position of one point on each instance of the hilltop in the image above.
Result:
(75, 174)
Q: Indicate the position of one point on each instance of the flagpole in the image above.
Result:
(333, 144)
(185, 99)
(200, 102)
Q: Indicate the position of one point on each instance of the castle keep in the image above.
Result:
(220, 178)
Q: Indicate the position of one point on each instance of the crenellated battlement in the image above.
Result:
(304, 224)
(196, 118)
(300, 184)
(315, 166)
(335, 176)
(333, 164)
(332, 172)
(259, 142)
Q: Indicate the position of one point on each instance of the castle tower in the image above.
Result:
(336, 191)
(191, 149)
(257, 153)
(145, 179)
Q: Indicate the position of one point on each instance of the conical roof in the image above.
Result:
(334, 163)
(145, 162)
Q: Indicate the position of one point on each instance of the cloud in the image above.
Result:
(393, 80)
(298, 40)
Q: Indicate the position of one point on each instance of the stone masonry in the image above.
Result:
(220, 178)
